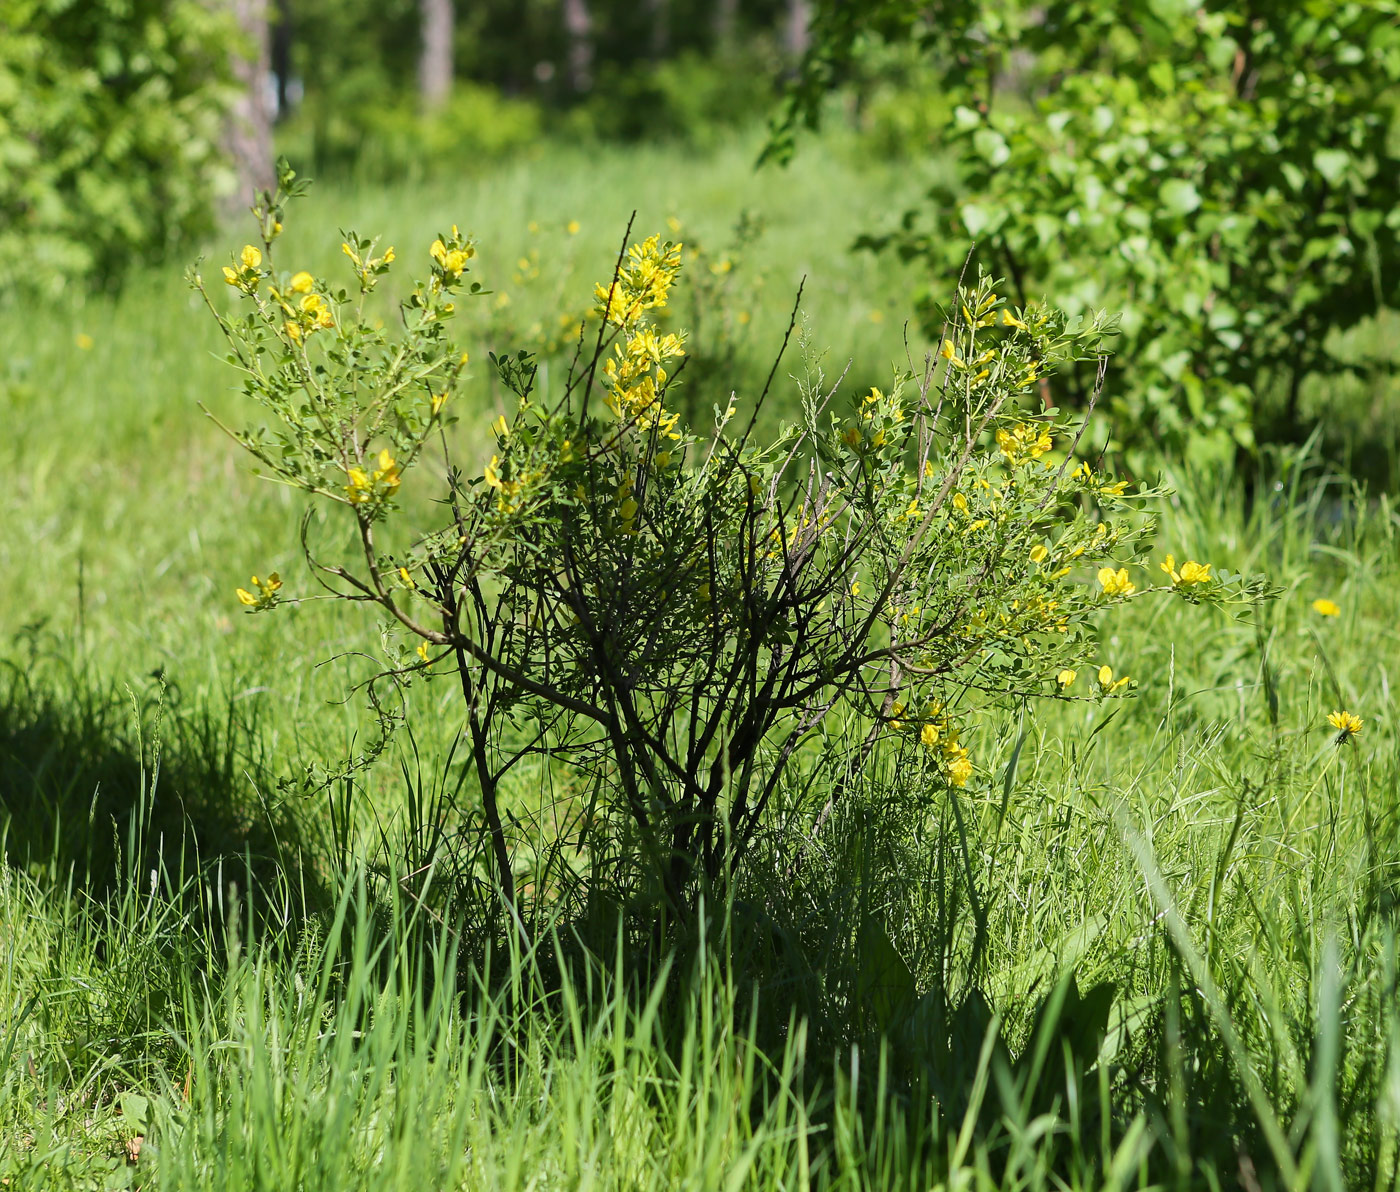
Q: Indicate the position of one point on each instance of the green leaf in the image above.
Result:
(1332, 164)
(1179, 196)
(991, 145)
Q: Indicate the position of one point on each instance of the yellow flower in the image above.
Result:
(949, 354)
(928, 735)
(959, 770)
(439, 400)
(406, 576)
(1116, 583)
(1326, 608)
(388, 471)
(1067, 676)
(1039, 553)
(1191, 572)
(855, 588)
(264, 594)
(302, 282)
(231, 275)
(572, 227)
(454, 262)
(960, 502)
(361, 488)
(250, 256)
(1107, 682)
(1347, 724)
(1195, 573)
(84, 341)
(422, 650)
(852, 436)
(1010, 320)
(499, 427)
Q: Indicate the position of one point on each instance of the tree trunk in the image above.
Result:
(726, 23)
(281, 60)
(248, 136)
(660, 13)
(435, 60)
(797, 37)
(578, 24)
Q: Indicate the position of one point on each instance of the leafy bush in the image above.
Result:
(665, 618)
(377, 138)
(1225, 178)
(111, 114)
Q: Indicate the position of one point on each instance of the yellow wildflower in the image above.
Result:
(1067, 677)
(855, 588)
(302, 282)
(1116, 583)
(928, 735)
(1010, 320)
(264, 594)
(572, 227)
(231, 275)
(1347, 724)
(250, 256)
(1326, 608)
(1039, 553)
(499, 428)
(949, 353)
(422, 650)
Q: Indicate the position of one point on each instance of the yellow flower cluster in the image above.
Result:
(643, 282)
(1347, 724)
(245, 274)
(937, 734)
(451, 257)
(309, 314)
(1191, 572)
(264, 593)
(377, 483)
(1116, 583)
(636, 377)
(1024, 442)
(366, 267)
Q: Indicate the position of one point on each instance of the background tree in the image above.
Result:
(249, 135)
(435, 60)
(111, 119)
(1164, 161)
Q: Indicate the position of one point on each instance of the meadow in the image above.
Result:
(1151, 944)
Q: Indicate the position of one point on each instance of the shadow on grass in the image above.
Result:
(100, 781)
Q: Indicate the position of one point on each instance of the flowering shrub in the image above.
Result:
(673, 612)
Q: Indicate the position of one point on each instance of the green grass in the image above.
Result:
(188, 955)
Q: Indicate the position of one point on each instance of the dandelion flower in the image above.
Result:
(1326, 608)
(1347, 724)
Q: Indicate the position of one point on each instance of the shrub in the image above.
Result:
(1223, 177)
(111, 114)
(673, 615)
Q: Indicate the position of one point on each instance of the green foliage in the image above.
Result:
(1224, 178)
(670, 614)
(110, 119)
(378, 136)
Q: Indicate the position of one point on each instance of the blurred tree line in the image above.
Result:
(125, 125)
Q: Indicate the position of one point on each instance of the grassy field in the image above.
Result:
(1152, 944)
